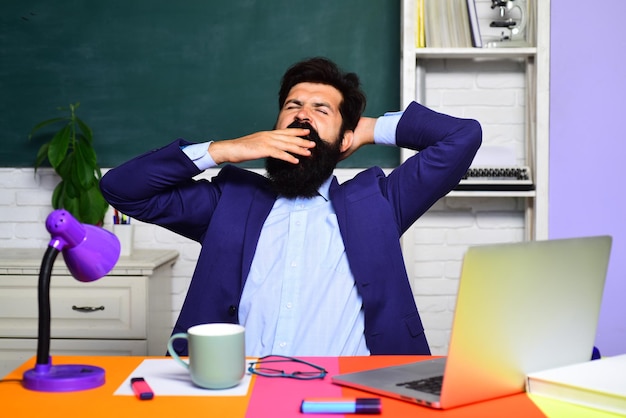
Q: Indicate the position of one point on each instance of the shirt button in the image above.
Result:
(294, 264)
(289, 305)
(282, 344)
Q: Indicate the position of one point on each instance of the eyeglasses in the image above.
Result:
(260, 368)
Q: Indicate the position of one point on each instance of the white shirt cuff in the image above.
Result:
(199, 154)
(385, 128)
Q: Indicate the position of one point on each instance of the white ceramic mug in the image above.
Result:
(217, 358)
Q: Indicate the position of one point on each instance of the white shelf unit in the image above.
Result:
(536, 64)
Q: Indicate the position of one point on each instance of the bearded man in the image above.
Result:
(309, 266)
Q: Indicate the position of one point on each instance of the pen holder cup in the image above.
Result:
(124, 232)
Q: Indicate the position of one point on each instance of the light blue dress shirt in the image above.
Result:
(300, 297)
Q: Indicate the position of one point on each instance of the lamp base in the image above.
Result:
(63, 378)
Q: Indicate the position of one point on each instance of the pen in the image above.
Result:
(370, 406)
(141, 388)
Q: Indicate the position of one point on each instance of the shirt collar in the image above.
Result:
(324, 189)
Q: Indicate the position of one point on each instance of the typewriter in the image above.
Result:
(497, 179)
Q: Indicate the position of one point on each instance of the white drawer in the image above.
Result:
(118, 307)
(14, 352)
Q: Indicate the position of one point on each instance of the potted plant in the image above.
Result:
(70, 152)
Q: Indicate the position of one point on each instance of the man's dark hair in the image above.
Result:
(324, 71)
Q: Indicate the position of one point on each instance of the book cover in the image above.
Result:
(462, 24)
(433, 23)
(599, 384)
(420, 35)
(477, 40)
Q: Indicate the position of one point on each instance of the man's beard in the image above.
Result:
(306, 177)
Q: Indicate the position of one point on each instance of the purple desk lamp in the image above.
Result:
(90, 253)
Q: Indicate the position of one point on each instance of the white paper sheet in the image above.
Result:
(495, 156)
(168, 378)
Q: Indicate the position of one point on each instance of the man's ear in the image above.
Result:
(346, 142)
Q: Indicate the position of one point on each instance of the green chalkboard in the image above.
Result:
(149, 71)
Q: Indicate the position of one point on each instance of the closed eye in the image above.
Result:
(323, 108)
(293, 104)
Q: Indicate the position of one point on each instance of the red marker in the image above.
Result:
(141, 388)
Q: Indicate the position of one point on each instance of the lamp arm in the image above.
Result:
(43, 297)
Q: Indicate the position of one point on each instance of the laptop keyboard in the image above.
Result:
(428, 385)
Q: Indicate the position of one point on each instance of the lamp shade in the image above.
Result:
(90, 252)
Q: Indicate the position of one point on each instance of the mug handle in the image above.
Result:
(173, 353)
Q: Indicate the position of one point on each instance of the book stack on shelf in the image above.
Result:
(447, 24)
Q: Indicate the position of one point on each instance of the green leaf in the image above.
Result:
(71, 204)
(42, 155)
(45, 123)
(86, 130)
(87, 154)
(71, 189)
(58, 195)
(93, 206)
(59, 146)
(64, 169)
(83, 174)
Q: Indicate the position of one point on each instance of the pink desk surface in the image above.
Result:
(267, 397)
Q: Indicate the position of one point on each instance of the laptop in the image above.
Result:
(521, 308)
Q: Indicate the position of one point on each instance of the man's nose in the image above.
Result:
(303, 116)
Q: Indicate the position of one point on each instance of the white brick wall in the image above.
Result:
(492, 92)
(435, 246)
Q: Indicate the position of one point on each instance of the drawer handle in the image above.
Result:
(87, 308)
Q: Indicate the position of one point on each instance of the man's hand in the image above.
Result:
(363, 135)
(282, 144)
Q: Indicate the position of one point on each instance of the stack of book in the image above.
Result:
(599, 384)
(447, 24)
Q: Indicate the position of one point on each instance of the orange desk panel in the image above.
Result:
(101, 403)
(266, 398)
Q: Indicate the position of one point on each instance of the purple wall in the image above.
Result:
(588, 143)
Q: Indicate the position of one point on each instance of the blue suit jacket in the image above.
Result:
(225, 215)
